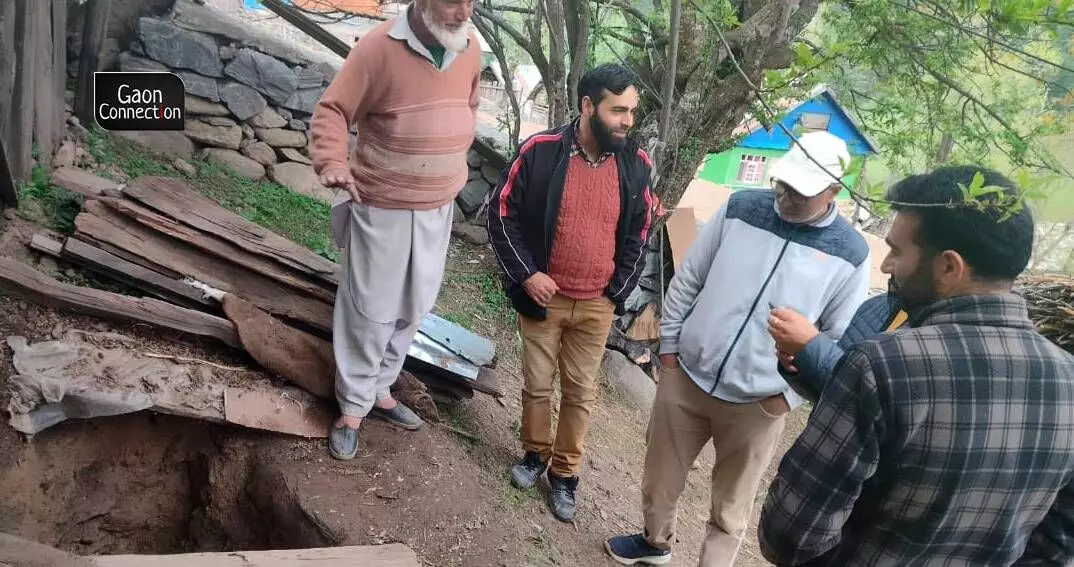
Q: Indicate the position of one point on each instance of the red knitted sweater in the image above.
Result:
(583, 253)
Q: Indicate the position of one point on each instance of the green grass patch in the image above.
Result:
(456, 416)
(489, 304)
(45, 204)
(301, 219)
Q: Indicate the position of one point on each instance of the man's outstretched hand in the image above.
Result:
(541, 287)
(342, 179)
(791, 330)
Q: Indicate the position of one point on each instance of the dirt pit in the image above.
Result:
(149, 484)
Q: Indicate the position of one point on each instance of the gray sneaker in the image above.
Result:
(343, 442)
(399, 416)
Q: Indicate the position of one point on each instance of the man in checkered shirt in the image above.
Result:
(950, 441)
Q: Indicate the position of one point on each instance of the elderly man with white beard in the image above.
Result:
(411, 89)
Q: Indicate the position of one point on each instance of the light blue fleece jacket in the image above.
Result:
(715, 314)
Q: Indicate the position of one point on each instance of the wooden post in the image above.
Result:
(59, 64)
(9, 196)
(93, 34)
(45, 100)
(21, 135)
(7, 69)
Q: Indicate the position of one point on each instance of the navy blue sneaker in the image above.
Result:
(633, 549)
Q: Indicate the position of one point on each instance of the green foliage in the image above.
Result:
(493, 308)
(44, 203)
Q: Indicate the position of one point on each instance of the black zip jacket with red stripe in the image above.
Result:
(524, 209)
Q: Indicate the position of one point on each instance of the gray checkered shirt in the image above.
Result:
(950, 442)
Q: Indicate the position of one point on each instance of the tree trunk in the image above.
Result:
(556, 81)
(578, 31)
(947, 143)
(667, 94)
(93, 35)
(496, 45)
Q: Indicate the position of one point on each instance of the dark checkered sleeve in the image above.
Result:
(1052, 542)
(821, 476)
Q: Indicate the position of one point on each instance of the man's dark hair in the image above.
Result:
(997, 249)
(611, 76)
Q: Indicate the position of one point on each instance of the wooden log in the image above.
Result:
(391, 555)
(21, 137)
(7, 71)
(59, 65)
(224, 250)
(45, 99)
(21, 280)
(93, 34)
(178, 200)
(104, 225)
(82, 182)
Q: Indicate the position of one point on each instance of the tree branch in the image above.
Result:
(535, 52)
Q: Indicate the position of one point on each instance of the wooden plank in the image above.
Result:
(94, 30)
(289, 411)
(145, 279)
(82, 182)
(45, 100)
(21, 139)
(178, 200)
(682, 230)
(646, 327)
(7, 72)
(46, 245)
(132, 258)
(226, 251)
(391, 555)
(104, 225)
(23, 281)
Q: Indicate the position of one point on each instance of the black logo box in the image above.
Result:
(139, 101)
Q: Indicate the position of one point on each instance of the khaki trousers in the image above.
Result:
(572, 339)
(745, 436)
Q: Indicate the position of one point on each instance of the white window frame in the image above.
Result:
(751, 169)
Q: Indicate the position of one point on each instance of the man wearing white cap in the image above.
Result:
(719, 377)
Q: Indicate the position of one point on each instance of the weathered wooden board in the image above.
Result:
(682, 230)
(59, 64)
(220, 248)
(81, 181)
(21, 280)
(178, 200)
(21, 136)
(7, 70)
(46, 101)
(94, 31)
(281, 411)
(392, 555)
(9, 195)
(104, 225)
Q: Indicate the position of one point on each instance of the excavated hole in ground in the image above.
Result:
(150, 484)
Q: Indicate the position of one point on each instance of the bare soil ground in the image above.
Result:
(158, 484)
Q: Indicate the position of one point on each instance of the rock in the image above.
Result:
(69, 98)
(474, 159)
(166, 142)
(285, 114)
(109, 54)
(304, 100)
(473, 234)
(457, 215)
(228, 52)
(490, 173)
(242, 100)
(292, 154)
(199, 106)
(65, 156)
(628, 378)
(308, 78)
(191, 15)
(136, 48)
(260, 152)
(79, 132)
(198, 85)
(269, 118)
(281, 138)
(239, 163)
(327, 70)
(246, 141)
(130, 63)
(218, 120)
(211, 135)
(74, 121)
(268, 75)
(472, 196)
(10, 213)
(300, 178)
(248, 132)
(180, 48)
(185, 167)
(296, 124)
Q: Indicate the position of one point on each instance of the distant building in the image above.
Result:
(747, 164)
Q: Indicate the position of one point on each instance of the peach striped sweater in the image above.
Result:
(415, 122)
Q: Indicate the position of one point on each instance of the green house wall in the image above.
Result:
(722, 168)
